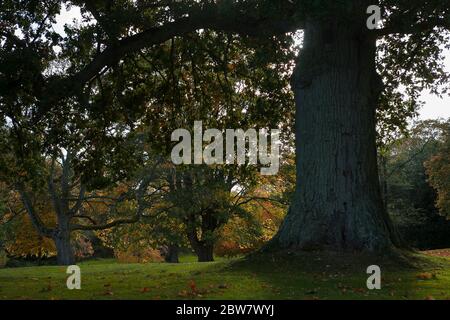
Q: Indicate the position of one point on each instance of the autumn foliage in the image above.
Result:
(438, 170)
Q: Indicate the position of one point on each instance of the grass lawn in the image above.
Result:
(306, 276)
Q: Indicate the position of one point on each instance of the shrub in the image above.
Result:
(138, 256)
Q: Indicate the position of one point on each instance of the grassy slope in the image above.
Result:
(272, 277)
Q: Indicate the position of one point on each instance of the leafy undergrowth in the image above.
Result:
(305, 276)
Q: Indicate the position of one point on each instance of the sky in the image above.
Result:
(434, 107)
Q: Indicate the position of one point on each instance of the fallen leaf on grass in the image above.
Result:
(108, 293)
(359, 290)
(47, 289)
(193, 286)
(202, 291)
(183, 294)
(425, 276)
(145, 290)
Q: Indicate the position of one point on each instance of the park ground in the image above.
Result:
(307, 276)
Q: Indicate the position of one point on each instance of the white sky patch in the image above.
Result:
(67, 17)
(434, 108)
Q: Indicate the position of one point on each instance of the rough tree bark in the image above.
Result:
(65, 255)
(337, 203)
(204, 249)
(205, 253)
(60, 198)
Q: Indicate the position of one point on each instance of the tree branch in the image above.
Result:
(209, 18)
(35, 219)
(79, 202)
(52, 189)
(109, 225)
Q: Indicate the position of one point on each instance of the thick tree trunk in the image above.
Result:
(203, 249)
(338, 203)
(205, 253)
(171, 254)
(65, 255)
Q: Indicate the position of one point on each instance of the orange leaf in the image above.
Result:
(425, 276)
(193, 286)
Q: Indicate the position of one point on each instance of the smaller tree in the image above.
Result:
(74, 207)
(203, 199)
(263, 211)
(23, 241)
(407, 193)
(438, 170)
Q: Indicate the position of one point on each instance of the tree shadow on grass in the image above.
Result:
(336, 276)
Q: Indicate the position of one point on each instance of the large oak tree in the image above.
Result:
(338, 83)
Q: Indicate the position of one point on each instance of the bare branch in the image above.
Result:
(79, 202)
(109, 225)
(80, 216)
